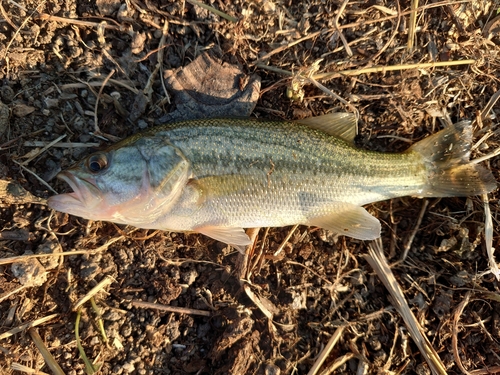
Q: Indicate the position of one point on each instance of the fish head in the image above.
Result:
(133, 182)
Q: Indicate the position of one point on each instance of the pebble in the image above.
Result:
(29, 271)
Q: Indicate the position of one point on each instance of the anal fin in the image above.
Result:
(348, 220)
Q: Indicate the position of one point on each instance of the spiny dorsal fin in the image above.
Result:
(339, 124)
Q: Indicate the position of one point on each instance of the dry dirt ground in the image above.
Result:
(53, 71)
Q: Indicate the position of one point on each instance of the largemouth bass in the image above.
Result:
(218, 176)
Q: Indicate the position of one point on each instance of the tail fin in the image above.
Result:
(451, 174)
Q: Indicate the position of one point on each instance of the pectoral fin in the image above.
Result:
(235, 237)
(349, 220)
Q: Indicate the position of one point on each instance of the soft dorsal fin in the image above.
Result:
(339, 124)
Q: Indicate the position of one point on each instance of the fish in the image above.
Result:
(219, 176)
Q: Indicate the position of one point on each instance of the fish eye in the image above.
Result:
(98, 162)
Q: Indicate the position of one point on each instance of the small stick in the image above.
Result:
(327, 349)
(407, 247)
(413, 24)
(378, 262)
(492, 154)
(488, 238)
(488, 107)
(213, 10)
(339, 98)
(174, 309)
(96, 125)
(454, 338)
(373, 69)
(24, 326)
(160, 58)
(257, 301)
(19, 29)
(48, 17)
(36, 176)
(104, 283)
(289, 235)
(382, 69)
(47, 356)
(66, 253)
(19, 367)
(49, 145)
(61, 144)
(6, 16)
(14, 291)
(336, 25)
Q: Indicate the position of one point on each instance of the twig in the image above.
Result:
(174, 309)
(47, 356)
(103, 284)
(49, 17)
(413, 233)
(20, 28)
(282, 48)
(72, 86)
(19, 367)
(454, 338)
(49, 145)
(373, 69)
(488, 238)
(492, 154)
(488, 107)
(383, 69)
(6, 17)
(61, 144)
(13, 292)
(283, 243)
(310, 270)
(36, 176)
(25, 326)
(96, 123)
(213, 10)
(339, 98)
(66, 253)
(336, 25)
(413, 24)
(327, 349)
(257, 301)
(160, 58)
(378, 261)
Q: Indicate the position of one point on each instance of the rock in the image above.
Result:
(29, 271)
(49, 247)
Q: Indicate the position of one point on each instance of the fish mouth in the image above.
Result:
(81, 202)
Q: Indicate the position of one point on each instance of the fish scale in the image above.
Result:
(218, 176)
(316, 161)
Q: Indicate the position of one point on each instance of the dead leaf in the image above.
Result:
(13, 193)
(22, 110)
(209, 88)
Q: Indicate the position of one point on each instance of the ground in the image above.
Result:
(273, 311)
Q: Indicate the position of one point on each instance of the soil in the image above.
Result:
(274, 310)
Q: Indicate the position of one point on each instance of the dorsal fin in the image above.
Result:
(339, 124)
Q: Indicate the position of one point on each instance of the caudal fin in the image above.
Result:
(451, 174)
